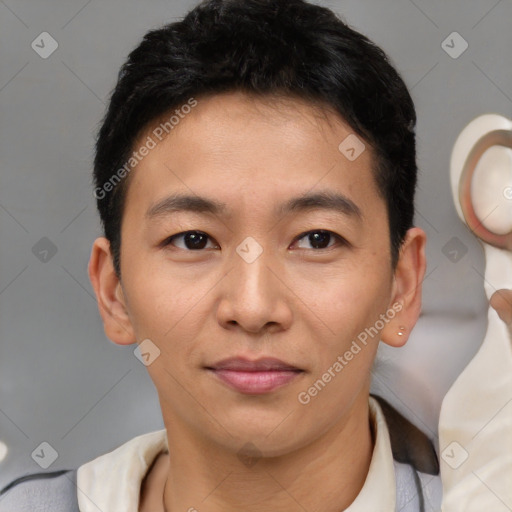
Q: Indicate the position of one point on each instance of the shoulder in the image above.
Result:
(40, 492)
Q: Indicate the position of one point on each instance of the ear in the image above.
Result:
(109, 294)
(407, 284)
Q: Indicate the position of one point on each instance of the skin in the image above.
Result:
(301, 304)
(501, 301)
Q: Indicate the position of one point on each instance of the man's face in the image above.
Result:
(258, 280)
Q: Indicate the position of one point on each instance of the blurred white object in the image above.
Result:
(475, 426)
(3, 451)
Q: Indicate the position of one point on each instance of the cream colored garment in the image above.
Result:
(475, 427)
(112, 481)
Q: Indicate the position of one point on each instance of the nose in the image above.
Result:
(255, 296)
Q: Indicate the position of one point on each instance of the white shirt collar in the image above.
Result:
(379, 489)
(112, 481)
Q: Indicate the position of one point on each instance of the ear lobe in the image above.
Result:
(407, 286)
(109, 294)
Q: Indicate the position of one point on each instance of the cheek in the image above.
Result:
(169, 309)
(156, 300)
(348, 304)
(346, 346)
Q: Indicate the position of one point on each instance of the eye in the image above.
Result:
(320, 239)
(191, 240)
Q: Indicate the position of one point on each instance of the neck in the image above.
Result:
(325, 475)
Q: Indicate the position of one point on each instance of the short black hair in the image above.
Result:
(265, 48)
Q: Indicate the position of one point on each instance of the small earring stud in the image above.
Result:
(401, 331)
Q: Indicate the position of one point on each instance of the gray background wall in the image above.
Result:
(61, 380)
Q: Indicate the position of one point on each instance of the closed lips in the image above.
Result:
(261, 365)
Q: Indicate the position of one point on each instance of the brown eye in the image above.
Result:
(320, 239)
(190, 240)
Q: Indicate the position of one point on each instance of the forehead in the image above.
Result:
(233, 144)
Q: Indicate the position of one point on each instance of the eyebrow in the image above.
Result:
(325, 200)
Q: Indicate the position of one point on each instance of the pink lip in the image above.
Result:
(259, 365)
(255, 383)
(254, 377)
